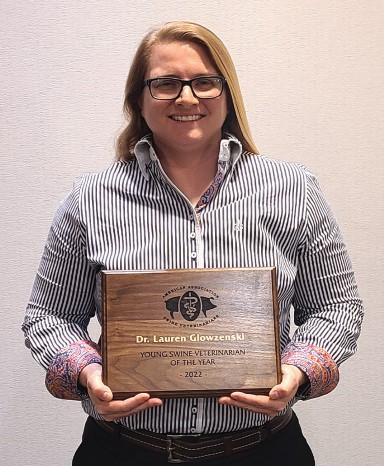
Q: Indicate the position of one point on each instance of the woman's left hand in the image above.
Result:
(278, 398)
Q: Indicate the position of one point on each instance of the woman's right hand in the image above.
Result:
(102, 398)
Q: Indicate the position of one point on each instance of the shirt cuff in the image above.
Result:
(63, 373)
(317, 364)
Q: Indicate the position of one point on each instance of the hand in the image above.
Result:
(102, 398)
(278, 397)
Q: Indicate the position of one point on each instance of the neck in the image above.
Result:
(191, 171)
(185, 157)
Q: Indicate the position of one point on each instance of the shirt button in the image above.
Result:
(194, 410)
(192, 235)
(193, 430)
(193, 255)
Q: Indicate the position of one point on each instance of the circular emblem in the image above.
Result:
(190, 305)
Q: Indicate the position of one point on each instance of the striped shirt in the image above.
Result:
(259, 212)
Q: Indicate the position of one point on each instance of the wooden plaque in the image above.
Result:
(182, 333)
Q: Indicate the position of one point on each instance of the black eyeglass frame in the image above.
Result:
(185, 82)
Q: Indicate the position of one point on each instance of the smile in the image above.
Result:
(186, 117)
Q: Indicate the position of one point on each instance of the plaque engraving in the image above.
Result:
(190, 332)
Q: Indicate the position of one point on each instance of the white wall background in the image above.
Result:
(312, 77)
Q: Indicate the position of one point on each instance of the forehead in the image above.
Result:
(181, 59)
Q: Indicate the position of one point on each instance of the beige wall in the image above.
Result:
(312, 76)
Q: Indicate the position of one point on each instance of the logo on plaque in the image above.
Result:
(190, 304)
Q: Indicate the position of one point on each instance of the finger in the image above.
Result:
(256, 403)
(288, 386)
(98, 389)
(120, 407)
(117, 409)
(151, 403)
(119, 415)
(256, 409)
(280, 391)
(138, 402)
(256, 400)
(241, 400)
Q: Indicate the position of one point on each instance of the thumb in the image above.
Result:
(98, 388)
(275, 394)
(289, 384)
(279, 391)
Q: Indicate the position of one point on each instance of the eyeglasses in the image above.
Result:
(203, 87)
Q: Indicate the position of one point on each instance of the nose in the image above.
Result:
(187, 97)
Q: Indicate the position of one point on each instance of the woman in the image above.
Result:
(189, 190)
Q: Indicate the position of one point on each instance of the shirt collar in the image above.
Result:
(230, 151)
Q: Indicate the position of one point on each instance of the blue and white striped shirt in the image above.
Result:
(131, 217)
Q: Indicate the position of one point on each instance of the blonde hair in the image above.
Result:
(236, 122)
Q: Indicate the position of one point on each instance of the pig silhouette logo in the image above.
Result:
(190, 304)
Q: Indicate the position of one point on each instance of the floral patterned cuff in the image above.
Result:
(317, 364)
(62, 375)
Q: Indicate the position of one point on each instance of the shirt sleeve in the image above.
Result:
(319, 367)
(327, 309)
(63, 373)
(62, 303)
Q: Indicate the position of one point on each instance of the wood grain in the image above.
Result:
(181, 333)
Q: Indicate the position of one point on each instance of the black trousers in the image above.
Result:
(287, 447)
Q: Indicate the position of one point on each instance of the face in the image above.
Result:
(187, 123)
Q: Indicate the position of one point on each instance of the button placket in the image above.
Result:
(192, 236)
(195, 240)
